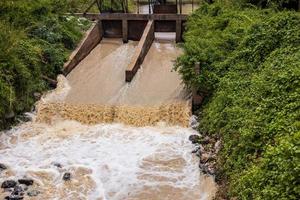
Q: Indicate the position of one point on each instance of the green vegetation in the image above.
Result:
(35, 40)
(250, 76)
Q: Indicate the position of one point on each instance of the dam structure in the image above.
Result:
(118, 123)
(127, 59)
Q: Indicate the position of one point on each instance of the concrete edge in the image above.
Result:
(140, 52)
(92, 38)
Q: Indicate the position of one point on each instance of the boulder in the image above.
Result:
(194, 139)
(9, 184)
(18, 190)
(205, 157)
(33, 193)
(58, 165)
(217, 146)
(26, 181)
(2, 167)
(205, 140)
(14, 197)
(67, 176)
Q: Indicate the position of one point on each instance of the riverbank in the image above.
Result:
(249, 78)
(36, 39)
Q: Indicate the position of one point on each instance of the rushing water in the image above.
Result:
(113, 151)
(107, 161)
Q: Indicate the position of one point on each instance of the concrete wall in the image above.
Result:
(91, 40)
(141, 51)
(136, 29)
(165, 9)
(112, 28)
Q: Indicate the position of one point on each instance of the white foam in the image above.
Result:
(117, 155)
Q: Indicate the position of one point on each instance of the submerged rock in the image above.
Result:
(14, 197)
(26, 181)
(18, 190)
(194, 138)
(67, 176)
(33, 193)
(58, 165)
(9, 184)
(2, 167)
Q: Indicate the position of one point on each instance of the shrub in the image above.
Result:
(255, 90)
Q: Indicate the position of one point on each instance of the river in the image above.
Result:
(118, 141)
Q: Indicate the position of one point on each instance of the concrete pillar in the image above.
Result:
(125, 30)
(178, 30)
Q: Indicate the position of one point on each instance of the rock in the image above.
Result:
(67, 176)
(58, 165)
(217, 146)
(33, 193)
(18, 190)
(204, 157)
(14, 197)
(194, 138)
(196, 150)
(9, 115)
(2, 167)
(9, 184)
(37, 95)
(10, 190)
(206, 169)
(205, 140)
(194, 122)
(26, 181)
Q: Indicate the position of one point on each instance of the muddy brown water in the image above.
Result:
(119, 141)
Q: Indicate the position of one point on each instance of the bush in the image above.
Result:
(254, 87)
(35, 40)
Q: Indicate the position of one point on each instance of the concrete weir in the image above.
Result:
(139, 31)
(136, 27)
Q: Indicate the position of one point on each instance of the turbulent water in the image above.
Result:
(107, 161)
(114, 151)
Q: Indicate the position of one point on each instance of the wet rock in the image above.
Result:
(58, 165)
(196, 150)
(207, 169)
(217, 146)
(67, 176)
(10, 190)
(194, 138)
(37, 95)
(2, 167)
(33, 193)
(14, 197)
(26, 181)
(9, 184)
(194, 122)
(205, 140)
(205, 157)
(18, 190)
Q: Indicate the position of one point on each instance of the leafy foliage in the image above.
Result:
(250, 69)
(35, 40)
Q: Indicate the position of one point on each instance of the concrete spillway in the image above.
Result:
(110, 161)
(99, 78)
